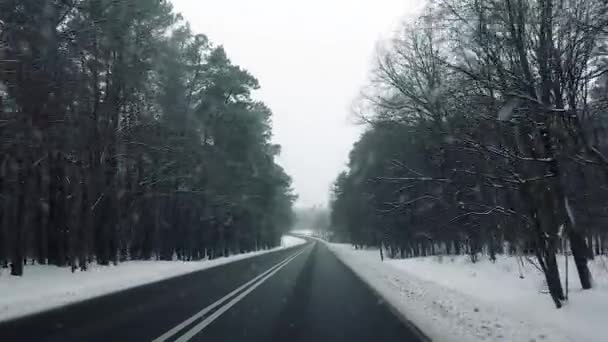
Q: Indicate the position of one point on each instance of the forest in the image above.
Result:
(486, 133)
(127, 136)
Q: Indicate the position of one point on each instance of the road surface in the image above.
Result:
(299, 294)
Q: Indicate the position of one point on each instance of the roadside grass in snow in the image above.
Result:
(452, 299)
(45, 287)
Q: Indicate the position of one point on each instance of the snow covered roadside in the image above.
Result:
(290, 241)
(45, 287)
(451, 299)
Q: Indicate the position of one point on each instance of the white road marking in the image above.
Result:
(203, 312)
(197, 328)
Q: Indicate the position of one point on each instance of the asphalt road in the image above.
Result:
(300, 294)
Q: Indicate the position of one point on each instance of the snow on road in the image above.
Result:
(45, 287)
(452, 299)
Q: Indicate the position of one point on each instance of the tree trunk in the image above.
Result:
(20, 215)
(553, 280)
(42, 215)
(456, 247)
(492, 248)
(579, 252)
(5, 205)
(56, 224)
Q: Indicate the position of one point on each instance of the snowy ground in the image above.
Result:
(452, 299)
(290, 241)
(44, 287)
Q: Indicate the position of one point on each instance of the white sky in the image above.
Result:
(311, 58)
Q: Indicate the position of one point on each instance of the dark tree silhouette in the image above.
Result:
(126, 136)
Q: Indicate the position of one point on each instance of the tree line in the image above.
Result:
(486, 133)
(125, 135)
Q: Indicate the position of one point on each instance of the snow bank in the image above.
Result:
(452, 299)
(45, 287)
(290, 241)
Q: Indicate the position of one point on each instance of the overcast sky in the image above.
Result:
(311, 58)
